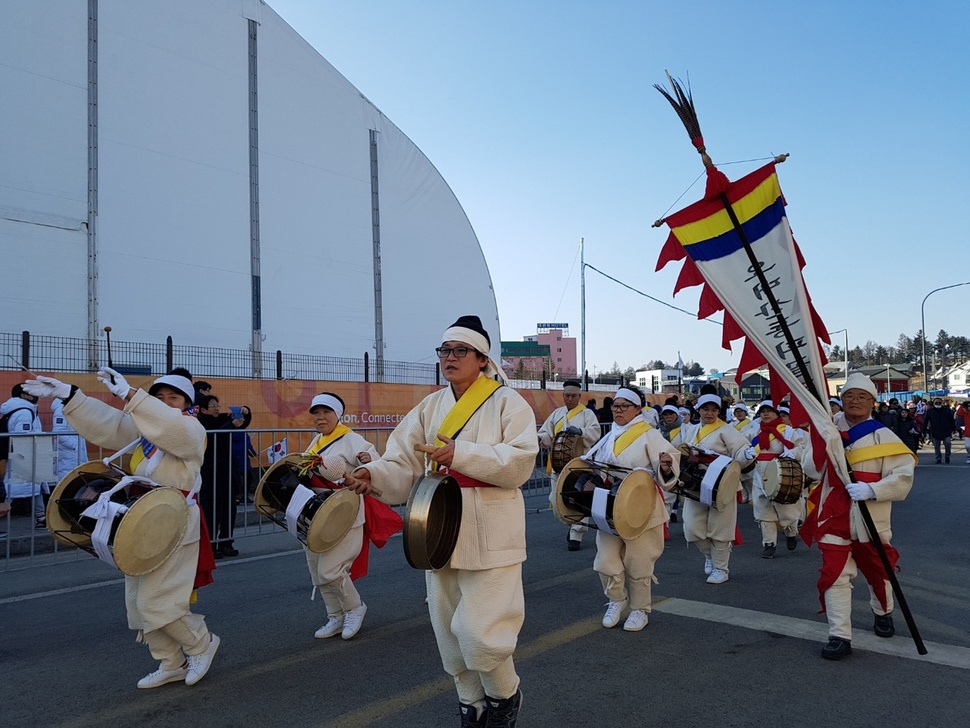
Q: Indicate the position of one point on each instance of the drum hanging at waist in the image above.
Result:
(783, 480)
(565, 447)
(318, 517)
(615, 500)
(714, 483)
(139, 525)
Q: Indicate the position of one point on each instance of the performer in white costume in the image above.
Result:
(633, 443)
(576, 419)
(486, 438)
(169, 452)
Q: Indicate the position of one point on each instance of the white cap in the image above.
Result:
(859, 381)
(708, 399)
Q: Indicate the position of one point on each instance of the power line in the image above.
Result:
(647, 295)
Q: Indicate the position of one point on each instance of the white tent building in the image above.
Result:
(197, 169)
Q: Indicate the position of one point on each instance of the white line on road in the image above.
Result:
(939, 654)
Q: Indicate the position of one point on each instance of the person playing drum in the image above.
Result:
(485, 435)
(169, 451)
(670, 424)
(634, 444)
(573, 419)
(713, 530)
(775, 440)
(743, 424)
(882, 473)
(333, 572)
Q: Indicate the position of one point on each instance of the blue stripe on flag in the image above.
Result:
(730, 242)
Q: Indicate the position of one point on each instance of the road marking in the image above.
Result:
(385, 708)
(938, 654)
(112, 582)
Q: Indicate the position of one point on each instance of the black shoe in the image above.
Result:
(503, 713)
(791, 542)
(947, 460)
(769, 552)
(938, 461)
(883, 626)
(573, 545)
(836, 649)
(673, 516)
(217, 554)
(470, 717)
(228, 550)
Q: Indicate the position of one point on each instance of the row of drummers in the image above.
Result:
(628, 484)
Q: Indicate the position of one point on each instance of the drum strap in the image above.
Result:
(102, 529)
(711, 478)
(601, 497)
(301, 495)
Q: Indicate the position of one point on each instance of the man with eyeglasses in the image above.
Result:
(485, 434)
(882, 468)
(711, 530)
(573, 418)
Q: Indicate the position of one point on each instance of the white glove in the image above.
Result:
(115, 383)
(750, 454)
(47, 387)
(860, 491)
(786, 453)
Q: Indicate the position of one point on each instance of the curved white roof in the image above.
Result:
(173, 188)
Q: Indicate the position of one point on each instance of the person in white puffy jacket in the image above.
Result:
(23, 419)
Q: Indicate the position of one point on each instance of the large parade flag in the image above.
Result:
(737, 244)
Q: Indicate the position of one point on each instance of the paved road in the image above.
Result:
(744, 653)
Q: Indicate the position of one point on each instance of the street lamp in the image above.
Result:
(922, 313)
(889, 386)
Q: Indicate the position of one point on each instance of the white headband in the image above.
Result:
(479, 343)
(708, 399)
(328, 400)
(177, 382)
(670, 408)
(629, 395)
(571, 389)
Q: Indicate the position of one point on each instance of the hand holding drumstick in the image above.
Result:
(443, 455)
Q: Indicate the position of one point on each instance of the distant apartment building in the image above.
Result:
(550, 349)
(659, 381)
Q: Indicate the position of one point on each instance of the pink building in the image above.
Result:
(562, 348)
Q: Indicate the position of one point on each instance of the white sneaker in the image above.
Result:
(332, 628)
(717, 577)
(708, 566)
(614, 610)
(352, 621)
(163, 677)
(636, 621)
(199, 664)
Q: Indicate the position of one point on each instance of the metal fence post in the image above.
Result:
(169, 354)
(279, 364)
(366, 366)
(25, 349)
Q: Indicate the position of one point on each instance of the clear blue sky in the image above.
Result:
(542, 117)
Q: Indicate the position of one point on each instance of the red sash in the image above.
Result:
(207, 560)
(380, 523)
(465, 481)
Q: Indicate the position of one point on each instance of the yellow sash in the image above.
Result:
(626, 439)
(558, 428)
(882, 450)
(467, 405)
(673, 434)
(742, 424)
(707, 430)
(326, 440)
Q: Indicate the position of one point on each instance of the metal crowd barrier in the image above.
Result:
(38, 462)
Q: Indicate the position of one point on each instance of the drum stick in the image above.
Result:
(107, 336)
(22, 367)
(351, 481)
